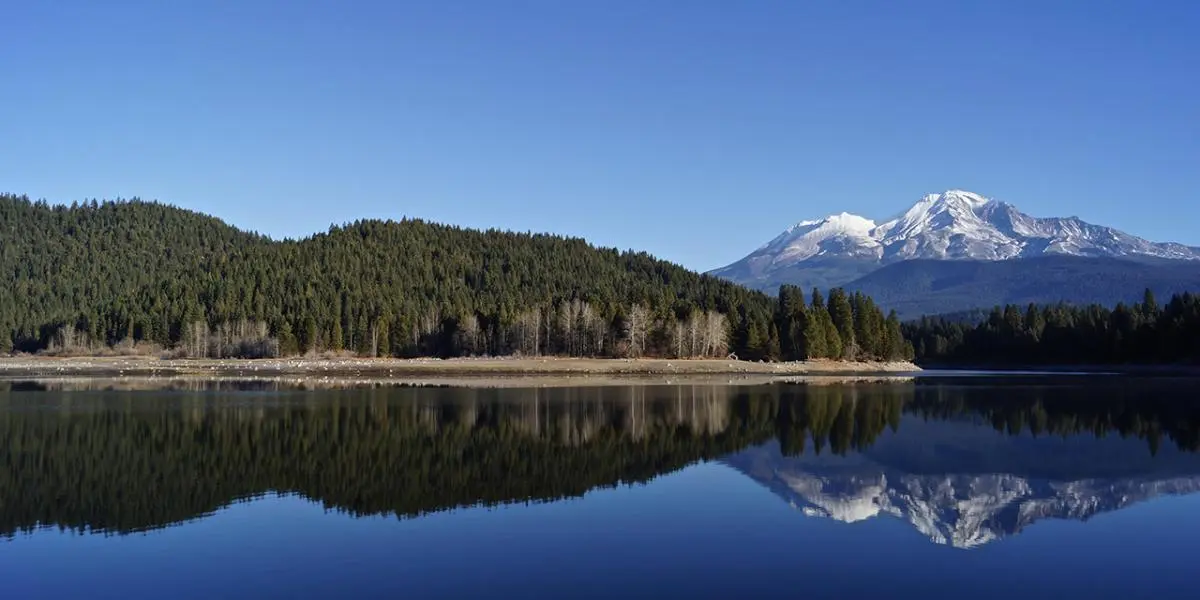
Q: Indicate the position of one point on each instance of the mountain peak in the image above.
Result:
(955, 224)
(964, 196)
(849, 222)
(842, 233)
(843, 220)
(953, 211)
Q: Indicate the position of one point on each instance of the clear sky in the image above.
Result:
(696, 130)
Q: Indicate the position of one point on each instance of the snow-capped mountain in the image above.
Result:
(953, 225)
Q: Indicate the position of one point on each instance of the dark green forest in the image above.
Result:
(99, 276)
(123, 461)
(1145, 332)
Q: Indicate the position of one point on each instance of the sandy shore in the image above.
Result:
(302, 383)
(430, 370)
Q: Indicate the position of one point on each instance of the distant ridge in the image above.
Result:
(946, 230)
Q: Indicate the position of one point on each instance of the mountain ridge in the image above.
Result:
(920, 287)
(953, 225)
(960, 251)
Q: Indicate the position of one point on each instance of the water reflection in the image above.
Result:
(963, 463)
(967, 488)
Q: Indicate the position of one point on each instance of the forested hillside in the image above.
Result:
(103, 274)
(1145, 332)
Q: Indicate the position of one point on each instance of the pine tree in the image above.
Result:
(816, 343)
(335, 336)
(816, 337)
(895, 346)
(756, 341)
(771, 352)
(833, 340)
(818, 302)
(842, 316)
(866, 325)
(1149, 303)
(791, 320)
(830, 344)
(1035, 322)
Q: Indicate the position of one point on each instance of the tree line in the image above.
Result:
(1143, 332)
(99, 276)
(846, 326)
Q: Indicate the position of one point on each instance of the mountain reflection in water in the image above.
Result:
(965, 463)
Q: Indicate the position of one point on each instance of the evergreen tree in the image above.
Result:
(818, 335)
(792, 321)
(756, 341)
(896, 347)
(842, 316)
(818, 301)
(336, 337)
(816, 344)
(1149, 303)
(833, 340)
(772, 347)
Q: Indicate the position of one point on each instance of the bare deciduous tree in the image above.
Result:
(716, 334)
(470, 335)
(526, 333)
(639, 323)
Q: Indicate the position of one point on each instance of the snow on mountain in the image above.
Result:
(953, 225)
(947, 225)
(844, 234)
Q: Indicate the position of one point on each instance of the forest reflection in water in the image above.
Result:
(115, 462)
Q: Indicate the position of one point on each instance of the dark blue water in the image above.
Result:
(1051, 488)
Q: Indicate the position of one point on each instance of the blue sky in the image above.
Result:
(695, 130)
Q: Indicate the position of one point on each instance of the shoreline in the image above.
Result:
(399, 370)
(284, 383)
(1148, 370)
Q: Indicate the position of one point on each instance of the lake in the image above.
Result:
(1014, 487)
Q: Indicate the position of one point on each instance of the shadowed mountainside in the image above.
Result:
(927, 287)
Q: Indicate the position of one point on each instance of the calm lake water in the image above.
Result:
(1022, 488)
